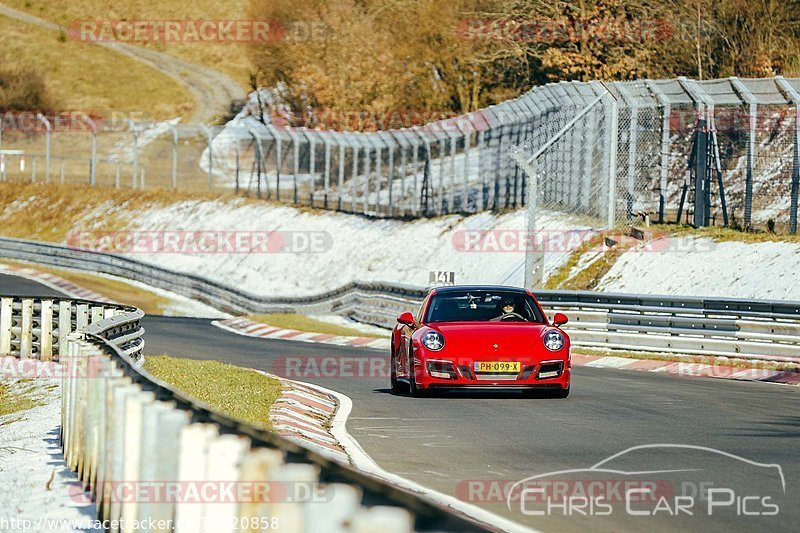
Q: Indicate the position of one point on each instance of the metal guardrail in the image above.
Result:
(39, 328)
(755, 329)
(125, 432)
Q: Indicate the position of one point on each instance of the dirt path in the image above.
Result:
(213, 91)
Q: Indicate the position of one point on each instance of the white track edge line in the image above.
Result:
(364, 462)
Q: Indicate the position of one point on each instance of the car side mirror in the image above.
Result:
(560, 319)
(407, 319)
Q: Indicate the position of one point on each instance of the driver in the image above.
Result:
(508, 310)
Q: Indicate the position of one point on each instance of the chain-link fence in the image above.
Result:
(704, 152)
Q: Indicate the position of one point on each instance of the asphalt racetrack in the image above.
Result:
(722, 455)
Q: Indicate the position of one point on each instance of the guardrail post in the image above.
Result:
(291, 514)
(257, 466)
(82, 317)
(193, 467)
(167, 449)
(225, 454)
(5, 325)
(46, 331)
(64, 326)
(134, 456)
(97, 314)
(26, 333)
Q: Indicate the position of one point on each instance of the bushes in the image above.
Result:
(23, 89)
(378, 56)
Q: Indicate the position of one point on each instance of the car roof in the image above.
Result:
(459, 288)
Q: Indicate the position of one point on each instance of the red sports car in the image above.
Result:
(480, 337)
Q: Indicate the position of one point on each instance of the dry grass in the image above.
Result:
(116, 290)
(237, 392)
(81, 76)
(304, 323)
(720, 234)
(18, 396)
(49, 212)
(230, 58)
(587, 278)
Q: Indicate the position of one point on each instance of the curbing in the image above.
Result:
(249, 328)
(689, 369)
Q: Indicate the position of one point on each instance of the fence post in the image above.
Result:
(752, 105)
(175, 158)
(666, 111)
(296, 165)
(633, 141)
(794, 96)
(342, 144)
(259, 157)
(47, 127)
(327, 176)
(93, 163)
(238, 148)
(135, 152)
(210, 139)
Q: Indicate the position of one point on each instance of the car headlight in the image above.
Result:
(433, 340)
(553, 340)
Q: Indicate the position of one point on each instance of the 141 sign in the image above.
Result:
(440, 278)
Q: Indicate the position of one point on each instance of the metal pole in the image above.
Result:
(612, 162)
(312, 167)
(391, 176)
(93, 164)
(700, 172)
(327, 178)
(353, 178)
(175, 159)
(210, 138)
(135, 152)
(238, 158)
(341, 174)
(794, 96)
(46, 123)
(259, 157)
(296, 165)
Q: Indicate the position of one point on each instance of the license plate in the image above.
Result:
(497, 367)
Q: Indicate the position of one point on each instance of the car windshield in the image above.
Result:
(483, 306)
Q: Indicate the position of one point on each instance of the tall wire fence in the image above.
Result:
(709, 152)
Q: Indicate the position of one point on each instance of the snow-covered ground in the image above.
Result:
(690, 266)
(38, 492)
(356, 249)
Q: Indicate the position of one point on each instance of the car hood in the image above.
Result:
(502, 339)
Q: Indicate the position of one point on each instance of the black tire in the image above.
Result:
(397, 386)
(560, 393)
